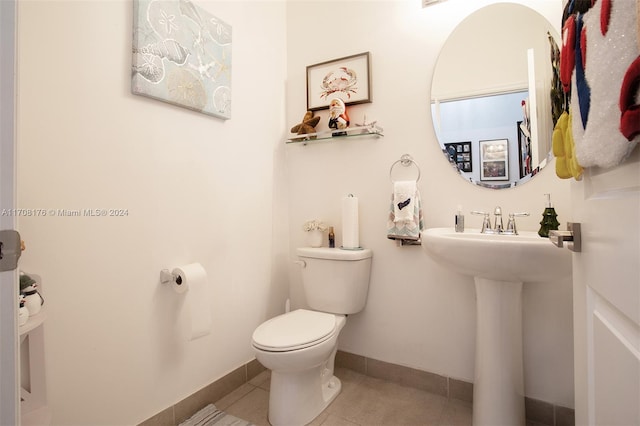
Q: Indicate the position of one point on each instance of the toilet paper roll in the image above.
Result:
(350, 226)
(191, 280)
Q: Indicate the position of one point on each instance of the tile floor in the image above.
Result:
(364, 401)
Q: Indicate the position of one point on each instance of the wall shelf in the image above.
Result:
(351, 132)
(33, 322)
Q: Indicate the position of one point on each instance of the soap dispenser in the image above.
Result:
(459, 222)
(549, 221)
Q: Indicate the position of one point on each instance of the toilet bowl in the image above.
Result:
(299, 348)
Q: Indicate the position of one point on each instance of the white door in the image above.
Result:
(607, 296)
(9, 376)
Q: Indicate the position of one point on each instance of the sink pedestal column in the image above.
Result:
(498, 389)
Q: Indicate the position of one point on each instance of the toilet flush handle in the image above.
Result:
(302, 263)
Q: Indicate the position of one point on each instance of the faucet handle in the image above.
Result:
(486, 223)
(511, 225)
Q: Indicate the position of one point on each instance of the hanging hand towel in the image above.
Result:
(405, 225)
(404, 194)
(567, 165)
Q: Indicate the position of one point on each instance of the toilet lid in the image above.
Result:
(294, 330)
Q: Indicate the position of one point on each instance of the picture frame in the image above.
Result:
(459, 153)
(182, 56)
(524, 150)
(347, 78)
(494, 159)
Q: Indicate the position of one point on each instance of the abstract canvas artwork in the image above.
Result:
(182, 55)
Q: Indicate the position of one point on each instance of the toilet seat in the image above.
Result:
(294, 330)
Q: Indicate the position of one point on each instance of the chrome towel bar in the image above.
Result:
(405, 160)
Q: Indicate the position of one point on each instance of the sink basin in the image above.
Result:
(500, 265)
(525, 257)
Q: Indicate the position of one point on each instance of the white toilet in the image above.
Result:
(299, 347)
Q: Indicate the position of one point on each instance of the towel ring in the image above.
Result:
(406, 161)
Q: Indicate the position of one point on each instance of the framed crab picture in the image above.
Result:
(346, 78)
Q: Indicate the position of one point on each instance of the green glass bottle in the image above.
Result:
(549, 221)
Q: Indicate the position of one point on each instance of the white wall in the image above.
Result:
(418, 313)
(201, 189)
(197, 189)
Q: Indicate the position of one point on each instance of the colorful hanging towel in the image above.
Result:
(567, 165)
(611, 51)
(405, 214)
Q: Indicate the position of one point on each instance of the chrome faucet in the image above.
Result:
(498, 227)
(497, 213)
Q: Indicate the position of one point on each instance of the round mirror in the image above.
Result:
(496, 95)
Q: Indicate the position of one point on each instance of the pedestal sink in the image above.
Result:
(499, 264)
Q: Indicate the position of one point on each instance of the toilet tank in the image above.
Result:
(335, 280)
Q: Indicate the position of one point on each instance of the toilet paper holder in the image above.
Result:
(168, 277)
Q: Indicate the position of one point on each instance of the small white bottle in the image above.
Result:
(459, 223)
